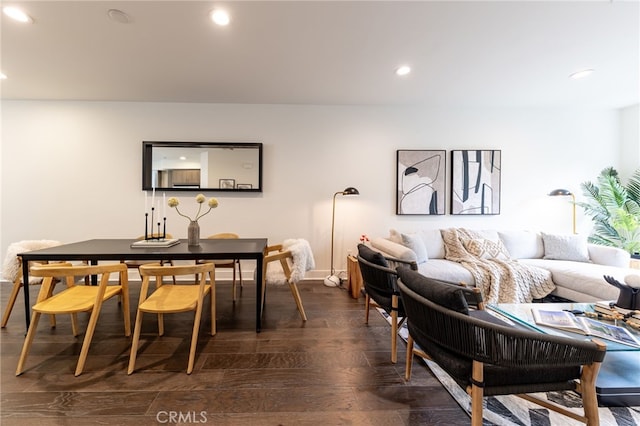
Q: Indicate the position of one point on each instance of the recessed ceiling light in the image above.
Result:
(403, 70)
(183, 157)
(581, 74)
(119, 16)
(17, 14)
(220, 17)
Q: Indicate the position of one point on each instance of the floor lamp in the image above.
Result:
(567, 193)
(333, 280)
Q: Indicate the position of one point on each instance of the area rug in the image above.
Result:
(510, 410)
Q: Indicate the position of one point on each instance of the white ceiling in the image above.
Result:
(475, 53)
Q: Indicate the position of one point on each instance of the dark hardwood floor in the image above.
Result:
(331, 370)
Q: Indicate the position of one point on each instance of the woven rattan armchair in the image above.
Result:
(486, 358)
(380, 287)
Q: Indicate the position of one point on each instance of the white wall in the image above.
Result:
(72, 170)
(630, 137)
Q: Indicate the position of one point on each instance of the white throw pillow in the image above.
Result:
(523, 244)
(395, 236)
(565, 247)
(394, 249)
(486, 249)
(415, 243)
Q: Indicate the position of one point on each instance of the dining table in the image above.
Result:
(96, 250)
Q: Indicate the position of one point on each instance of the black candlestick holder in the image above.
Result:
(154, 236)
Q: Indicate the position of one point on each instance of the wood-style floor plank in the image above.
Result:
(331, 370)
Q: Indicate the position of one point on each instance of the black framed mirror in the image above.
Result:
(202, 166)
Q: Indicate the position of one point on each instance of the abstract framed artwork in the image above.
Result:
(420, 182)
(475, 182)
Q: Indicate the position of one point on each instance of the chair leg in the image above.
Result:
(74, 324)
(394, 336)
(12, 300)
(35, 317)
(194, 338)
(589, 398)
(124, 297)
(296, 296)
(88, 336)
(134, 344)
(160, 325)
(367, 303)
(212, 297)
(409, 361)
(477, 394)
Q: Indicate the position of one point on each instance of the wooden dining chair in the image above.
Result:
(277, 253)
(169, 298)
(228, 263)
(74, 299)
(12, 271)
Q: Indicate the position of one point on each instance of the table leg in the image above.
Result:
(259, 296)
(25, 289)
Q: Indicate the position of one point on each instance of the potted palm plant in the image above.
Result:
(614, 209)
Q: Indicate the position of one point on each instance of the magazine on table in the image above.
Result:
(569, 322)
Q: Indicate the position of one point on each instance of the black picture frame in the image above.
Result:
(476, 181)
(420, 182)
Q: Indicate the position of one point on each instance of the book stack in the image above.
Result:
(609, 308)
(565, 320)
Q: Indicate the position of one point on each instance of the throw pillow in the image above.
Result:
(565, 247)
(444, 294)
(372, 256)
(395, 236)
(415, 243)
(398, 251)
(486, 249)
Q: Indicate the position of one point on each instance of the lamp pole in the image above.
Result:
(332, 280)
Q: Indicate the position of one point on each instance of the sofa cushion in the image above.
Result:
(415, 243)
(581, 281)
(444, 294)
(446, 270)
(565, 247)
(486, 249)
(523, 244)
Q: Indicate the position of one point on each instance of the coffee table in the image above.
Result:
(618, 383)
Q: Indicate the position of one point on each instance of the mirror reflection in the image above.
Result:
(197, 166)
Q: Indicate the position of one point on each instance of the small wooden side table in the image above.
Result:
(354, 277)
(635, 263)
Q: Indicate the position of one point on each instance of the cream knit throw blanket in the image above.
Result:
(302, 262)
(502, 280)
(11, 266)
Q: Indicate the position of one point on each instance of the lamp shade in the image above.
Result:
(350, 191)
(556, 192)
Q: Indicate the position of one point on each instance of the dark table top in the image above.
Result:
(120, 249)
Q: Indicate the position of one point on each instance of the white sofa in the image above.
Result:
(577, 268)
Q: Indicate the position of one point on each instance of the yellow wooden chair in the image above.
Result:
(76, 298)
(227, 263)
(167, 299)
(276, 253)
